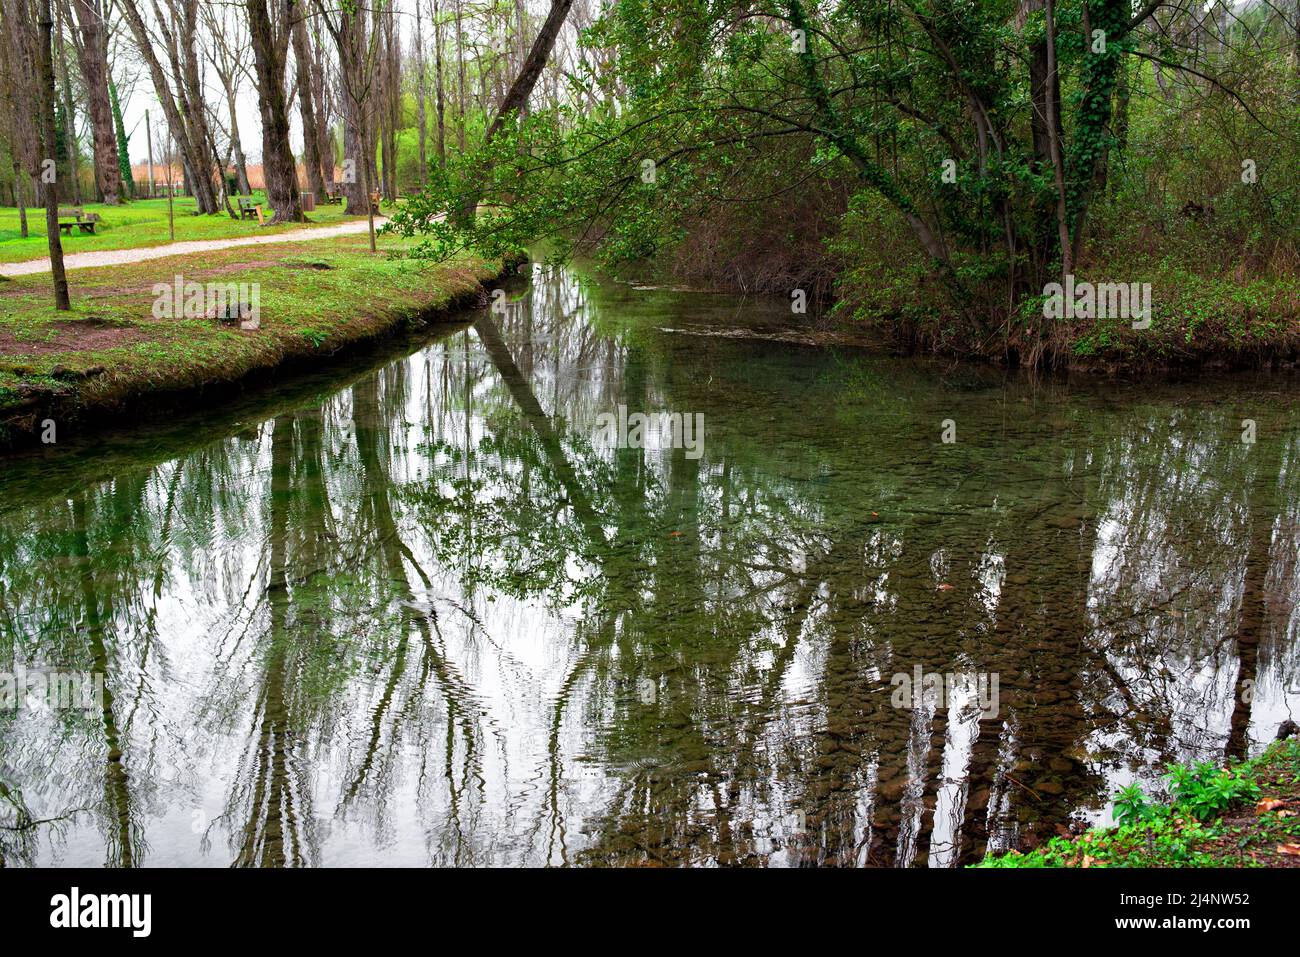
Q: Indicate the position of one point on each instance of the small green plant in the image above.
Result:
(1132, 805)
(1204, 790)
(1192, 826)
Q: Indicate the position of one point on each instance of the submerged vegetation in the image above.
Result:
(1242, 815)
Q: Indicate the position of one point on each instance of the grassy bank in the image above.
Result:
(1213, 300)
(1247, 815)
(138, 224)
(315, 298)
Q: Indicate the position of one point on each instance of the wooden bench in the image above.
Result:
(76, 218)
(333, 195)
(249, 209)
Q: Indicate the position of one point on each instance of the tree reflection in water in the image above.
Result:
(414, 611)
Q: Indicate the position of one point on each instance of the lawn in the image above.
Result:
(315, 297)
(136, 224)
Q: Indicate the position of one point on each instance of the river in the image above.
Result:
(443, 604)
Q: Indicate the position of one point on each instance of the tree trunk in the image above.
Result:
(45, 104)
(307, 110)
(356, 139)
(517, 96)
(93, 57)
(277, 156)
(237, 146)
(460, 63)
(392, 101)
(439, 91)
(70, 116)
(20, 201)
(324, 135)
(191, 150)
(1054, 135)
(192, 88)
(421, 92)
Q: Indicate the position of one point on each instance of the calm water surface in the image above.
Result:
(419, 610)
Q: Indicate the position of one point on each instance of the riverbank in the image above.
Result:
(1198, 319)
(1136, 312)
(114, 350)
(1242, 816)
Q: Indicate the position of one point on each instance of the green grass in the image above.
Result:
(1247, 815)
(315, 297)
(138, 224)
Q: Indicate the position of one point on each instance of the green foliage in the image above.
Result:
(123, 143)
(1204, 790)
(1158, 842)
(1132, 806)
(917, 121)
(1194, 828)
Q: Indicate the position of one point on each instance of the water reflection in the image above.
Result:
(421, 611)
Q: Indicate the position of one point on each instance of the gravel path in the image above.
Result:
(121, 257)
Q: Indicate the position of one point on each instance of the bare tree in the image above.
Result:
(322, 93)
(28, 32)
(270, 40)
(516, 97)
(357, 47)
(226, 38)
(92, 55)
(187, 125)
(306, 106)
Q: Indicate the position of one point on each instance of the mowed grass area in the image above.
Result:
(141, 223)
(315, 297)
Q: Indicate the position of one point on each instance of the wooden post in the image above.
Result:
(171, 191)
(148, 136)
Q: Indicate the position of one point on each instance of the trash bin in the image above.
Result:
(308, 202)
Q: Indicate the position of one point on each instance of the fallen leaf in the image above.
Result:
(1291, 850)
(946, 587)
(1088, 860)
(1267, 804)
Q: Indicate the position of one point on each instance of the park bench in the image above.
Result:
(333, 195)
(76, 218)
(249, 209)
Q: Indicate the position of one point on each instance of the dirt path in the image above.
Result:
(121, 257)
